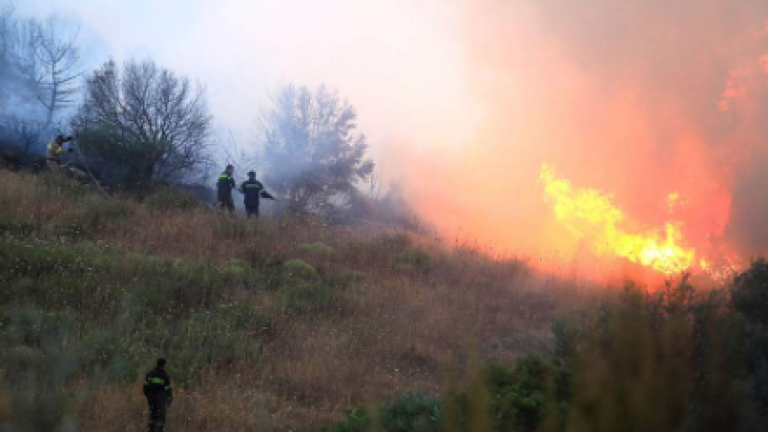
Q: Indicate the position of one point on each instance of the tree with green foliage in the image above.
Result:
(749, 297)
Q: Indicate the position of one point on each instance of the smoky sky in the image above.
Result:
(639, 99)
(462, 101)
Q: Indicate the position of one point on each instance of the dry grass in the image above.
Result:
(400, 323)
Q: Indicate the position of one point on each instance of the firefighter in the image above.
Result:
(55, 148)
(225, 185)
(157, 389)
(252, 189)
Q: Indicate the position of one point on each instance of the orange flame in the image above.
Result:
(589, 213)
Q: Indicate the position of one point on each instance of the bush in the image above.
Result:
(317, 249)
(519, 396)
(358, 420)
(11, 226)
(84, 276)
(239, 272)
(413, 411)
(297, 269)
(70, 229)
(104, 350)
(413, 259)
(307, 297)
(220, 336)
(749, 298)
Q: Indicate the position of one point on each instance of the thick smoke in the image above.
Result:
(640, 98)
(463, 100)
(24, 121)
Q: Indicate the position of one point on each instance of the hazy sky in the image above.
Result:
(464, 100)
(398, 61)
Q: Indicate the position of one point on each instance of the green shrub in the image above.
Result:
(297, 269)
(413, 411)
(357, 420)
(318, 249)
(106, 351)
(34, 342)
(749, 298)
(413, 259)
(519, 396)
(70, 229)
(37, 358)
(307, 297)
(84, 276)
(12, 226)
(225, 334)
(239, 272)
(23, 359)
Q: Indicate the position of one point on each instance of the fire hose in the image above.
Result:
(88, 170)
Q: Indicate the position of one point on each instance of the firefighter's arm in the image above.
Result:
(169, 389)
(267, 195)
(242, 188)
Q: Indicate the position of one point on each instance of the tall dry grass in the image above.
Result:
(401, 313)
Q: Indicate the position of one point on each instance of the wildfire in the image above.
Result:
(591, 215)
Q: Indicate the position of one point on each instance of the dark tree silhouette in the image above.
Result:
(144, 120)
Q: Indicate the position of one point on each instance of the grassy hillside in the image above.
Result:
(269, 325)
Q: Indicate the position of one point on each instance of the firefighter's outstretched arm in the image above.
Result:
(146, 386)
(267, 195)
(169, 389)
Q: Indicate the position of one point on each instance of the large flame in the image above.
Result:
(672, 137)
(591, 214)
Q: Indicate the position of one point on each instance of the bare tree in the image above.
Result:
(145, 120)
(38, 75)
(313, 151)
(26, 131)
(57, 74)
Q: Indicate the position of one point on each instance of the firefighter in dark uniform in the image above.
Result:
(157, 389)
(253, 190)
(54, 150)
(225, 185)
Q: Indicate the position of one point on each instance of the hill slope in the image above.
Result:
(282, 323)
